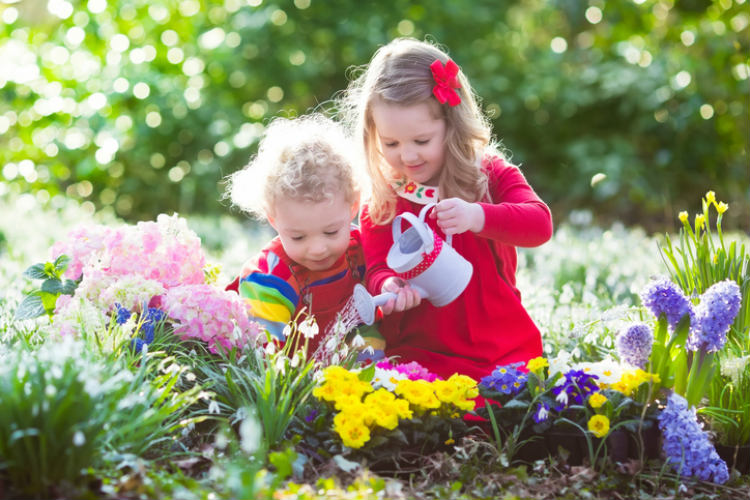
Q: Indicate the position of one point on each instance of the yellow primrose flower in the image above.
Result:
(597, 399)
(402, 409)
(354, 436)
(710, 197)
(537, 364)
(599, 425)
(683, 216)
(418, 393)
(722, 207)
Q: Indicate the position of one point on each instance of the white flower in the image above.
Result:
(250, 435)
(734, 368)
(287, 331)
(386, 379)
(270, 348)
(309, 328)
(79, 439)
(358, 341)
(213, 408)
(562, 398)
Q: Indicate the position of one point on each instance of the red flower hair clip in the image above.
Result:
(446, 80)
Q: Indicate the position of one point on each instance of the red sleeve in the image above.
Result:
(376, 241)
(517, 216)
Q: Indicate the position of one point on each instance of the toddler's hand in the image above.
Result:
(456, 216)
(406, 298)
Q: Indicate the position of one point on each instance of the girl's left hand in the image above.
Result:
(456, 216)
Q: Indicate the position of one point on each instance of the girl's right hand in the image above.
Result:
(407, 297)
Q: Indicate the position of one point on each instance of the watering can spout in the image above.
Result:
(365, 304)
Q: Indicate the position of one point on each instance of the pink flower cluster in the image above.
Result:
(210, 314)
(412, 371)
(157, 264)
(165, 251)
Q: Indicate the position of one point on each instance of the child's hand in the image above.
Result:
(456, 216)
(406, 298)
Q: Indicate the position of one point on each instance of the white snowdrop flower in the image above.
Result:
(280, 364)
(213, 407)
(287, 331)
(335, 358)
(250, 435)
(270, 349)
(221, 440)
(562, 398)
(295, 359)
(79, 439)
(358, 341)
(331, 343)
(309, 328)
(188, 429)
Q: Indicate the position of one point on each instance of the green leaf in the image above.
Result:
(61, 263)
(36, 272)
(52, 286)
(30, 307)
(69, 287)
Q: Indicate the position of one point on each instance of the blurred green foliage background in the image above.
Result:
(142, 106)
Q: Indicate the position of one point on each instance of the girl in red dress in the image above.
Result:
(426, 141)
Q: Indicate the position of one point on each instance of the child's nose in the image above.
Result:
(408, 155)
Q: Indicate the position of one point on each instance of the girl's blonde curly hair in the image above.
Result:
(309, 158)
(399, 73)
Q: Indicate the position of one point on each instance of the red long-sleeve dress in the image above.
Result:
(486, 325)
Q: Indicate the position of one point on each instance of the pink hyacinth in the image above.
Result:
(210, 314)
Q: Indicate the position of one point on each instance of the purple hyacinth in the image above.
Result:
(507, 379)
(634, 344)
(661, 296)
(687, 447)
(714, 316)
(575, 388)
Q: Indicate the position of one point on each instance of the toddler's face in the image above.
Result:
(314, 235)
(411, 139)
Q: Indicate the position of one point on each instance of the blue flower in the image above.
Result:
(661, 296)
(634, 344)
(575, 388)
(122, 314)
(686, 446)
(714, 316)
(149, 320)
(507, 379)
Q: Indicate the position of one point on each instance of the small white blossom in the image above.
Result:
(79, 439)
(562, 398)
(250, 435)
(309, 328)
(213, 407)
(358, 341)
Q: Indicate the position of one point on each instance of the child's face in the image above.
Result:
(411, 139)
(313, 234)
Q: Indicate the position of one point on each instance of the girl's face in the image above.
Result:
(411, 139)
(314, 234)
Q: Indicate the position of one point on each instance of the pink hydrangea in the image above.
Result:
(165, 251)
(210, 314)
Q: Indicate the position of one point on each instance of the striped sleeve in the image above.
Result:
(269, 291)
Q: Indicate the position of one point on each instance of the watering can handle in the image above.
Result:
(423, 214)
(418, 224)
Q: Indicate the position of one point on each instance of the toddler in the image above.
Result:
(304, 182)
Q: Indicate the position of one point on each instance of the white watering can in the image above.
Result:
(431, 266)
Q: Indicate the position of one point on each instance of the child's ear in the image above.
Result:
(271, 221)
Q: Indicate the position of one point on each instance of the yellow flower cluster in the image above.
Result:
(458, 391)
(363, 409)
(632, 379)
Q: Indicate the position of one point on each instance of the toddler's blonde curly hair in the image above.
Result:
(309, 158)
